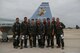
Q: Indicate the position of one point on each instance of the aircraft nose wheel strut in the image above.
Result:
(4, 34)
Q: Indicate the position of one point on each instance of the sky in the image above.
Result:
(67, 10)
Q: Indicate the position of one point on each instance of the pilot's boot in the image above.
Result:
(21, 45)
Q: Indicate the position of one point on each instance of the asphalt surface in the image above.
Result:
(71, 39)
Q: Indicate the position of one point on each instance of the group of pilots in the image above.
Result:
(38, 32)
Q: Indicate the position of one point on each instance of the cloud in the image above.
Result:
(67, 10)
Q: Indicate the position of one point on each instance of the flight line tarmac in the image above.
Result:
(71, 39)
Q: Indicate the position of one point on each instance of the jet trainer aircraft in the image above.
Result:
(43, 11)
